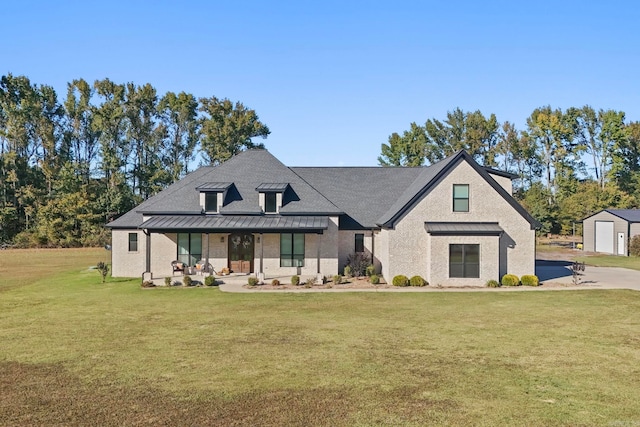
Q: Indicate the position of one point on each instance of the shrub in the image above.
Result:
(400, 280)
(103, 269)
(275, 282)
(371, 270)
(634, 245)
(337, 279)
(374, 279)
(358, 263)
(209, 281)
(493, 284)
(187, 281)
(167, 281)
(347, 271)
(252, 281)
(310, 282)
(530, 280)
(295, 280)
(510, 280)
(148, 284)
(417, 281)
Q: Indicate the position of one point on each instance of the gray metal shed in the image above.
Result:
(610, 230)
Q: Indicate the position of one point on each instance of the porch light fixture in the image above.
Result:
(258, 240)
(222, 239)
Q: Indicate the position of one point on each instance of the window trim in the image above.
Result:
(266, 202)
(207, 196)
(189, 254)
(464, 263)
(131, 241)
(356, 243)
(293, 256)
(468, 198)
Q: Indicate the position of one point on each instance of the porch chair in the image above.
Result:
(203, 266)
(177, 266)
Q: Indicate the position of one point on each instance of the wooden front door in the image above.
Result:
(241, 250)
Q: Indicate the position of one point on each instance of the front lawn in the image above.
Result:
(74, 351)
(631, 262)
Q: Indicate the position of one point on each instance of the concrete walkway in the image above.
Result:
(554, 275)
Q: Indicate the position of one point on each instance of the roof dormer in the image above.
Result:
(212, 195)
(271, 196)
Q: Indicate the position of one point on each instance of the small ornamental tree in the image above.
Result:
(103, 268)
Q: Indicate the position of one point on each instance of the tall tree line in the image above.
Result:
(569, 163)
(68, 166)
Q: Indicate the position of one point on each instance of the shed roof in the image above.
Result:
(630, 215)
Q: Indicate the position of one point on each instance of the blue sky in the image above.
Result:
(333, 79)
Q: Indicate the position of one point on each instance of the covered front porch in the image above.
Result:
(266, 247)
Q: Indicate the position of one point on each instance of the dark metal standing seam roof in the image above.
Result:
(214, 186)
(236, 222)
(275, 187)
(464, 228)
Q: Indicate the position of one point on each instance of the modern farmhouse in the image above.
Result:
(454, 223)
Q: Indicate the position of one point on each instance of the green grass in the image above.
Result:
(74, 351)
(631, 262)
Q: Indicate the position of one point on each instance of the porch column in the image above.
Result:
(207, 259)
(148, 260)
(318, 252)
(147, 275)
(261, 253)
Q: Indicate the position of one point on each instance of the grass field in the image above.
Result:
(74, 351)
(631, 262)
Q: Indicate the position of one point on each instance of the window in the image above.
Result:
(464, 261)
(461, 197)
(211, 202)
(189, 248)
(359, 246)
(133, 242)
(270, 202)
(291, 250)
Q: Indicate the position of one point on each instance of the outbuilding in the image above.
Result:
(610, 231)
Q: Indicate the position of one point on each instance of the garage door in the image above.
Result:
(604, 237)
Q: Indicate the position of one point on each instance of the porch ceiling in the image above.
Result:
(231, 223)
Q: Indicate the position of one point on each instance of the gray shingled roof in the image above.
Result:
(236, 222)
(368, 197)
(464, 228)
(363, 193)
(631, 215)
(246, 171)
